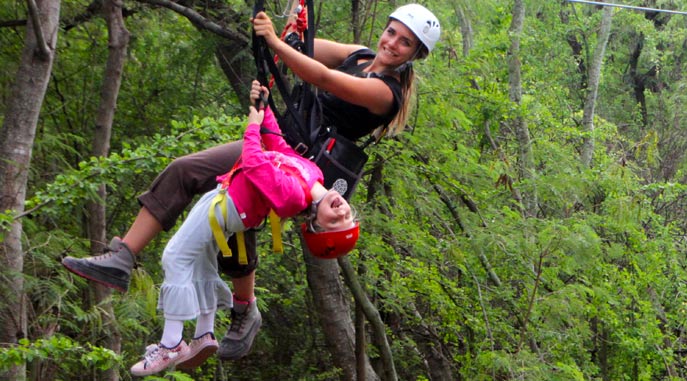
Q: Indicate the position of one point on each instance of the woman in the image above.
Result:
(362, 91)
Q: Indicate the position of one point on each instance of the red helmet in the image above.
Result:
(333, 244)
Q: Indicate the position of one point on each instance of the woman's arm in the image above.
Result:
(331, 53)
(371, 93)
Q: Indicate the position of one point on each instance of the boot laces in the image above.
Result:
(153, 352)
(107, 253)
(237, 320)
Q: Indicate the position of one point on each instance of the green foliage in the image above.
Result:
(72, 355)
(79, 184)
(591, 287)
(6, 219)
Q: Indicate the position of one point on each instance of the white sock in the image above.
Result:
(205, 324)
(172, 334)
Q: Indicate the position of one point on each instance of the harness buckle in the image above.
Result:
(301, 148)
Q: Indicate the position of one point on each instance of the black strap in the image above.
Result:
(265, 63)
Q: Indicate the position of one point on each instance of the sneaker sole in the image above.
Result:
(92, 275)
(203, 354)
(150, 371)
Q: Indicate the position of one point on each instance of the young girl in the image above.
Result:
(276, 178)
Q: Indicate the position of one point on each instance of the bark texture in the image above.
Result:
(334, 312)
(118, 40)
(16, 143)
(593, 88)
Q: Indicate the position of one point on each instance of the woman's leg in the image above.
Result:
(142, 231)
(169, 195)
(245, 320)
(184, 178)
(244, 288)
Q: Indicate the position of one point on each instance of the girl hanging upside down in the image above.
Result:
(274, 178)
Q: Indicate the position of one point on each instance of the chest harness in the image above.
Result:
(274, 220)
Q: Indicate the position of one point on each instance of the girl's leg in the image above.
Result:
(171, 351)
(172, 333)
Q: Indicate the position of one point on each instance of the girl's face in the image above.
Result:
(334, 213)
(397, 44)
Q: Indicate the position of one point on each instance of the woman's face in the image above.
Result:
(397, 44)
(334, 212)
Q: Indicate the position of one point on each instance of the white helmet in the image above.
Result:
(421, 22)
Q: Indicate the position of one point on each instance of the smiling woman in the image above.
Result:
(363, 90)
(361, 93)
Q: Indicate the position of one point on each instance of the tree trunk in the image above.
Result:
(525, 156)
(118, 40)
(593, 88)
(466, 31)
(372, 314)
(335, 314)
(238, 67)
(355, 20)
(16, 143)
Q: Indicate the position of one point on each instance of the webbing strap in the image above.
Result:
(275, 220)
(218, 233)
(275, 224)
(241, 243)
(265, 64)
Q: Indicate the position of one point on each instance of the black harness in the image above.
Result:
(340, 159)
(298, 121)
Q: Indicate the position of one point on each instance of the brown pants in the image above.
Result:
(191, 175)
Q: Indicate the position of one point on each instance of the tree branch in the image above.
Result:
(12, 23)
(43, 51)
(372, 315)
(198, 20)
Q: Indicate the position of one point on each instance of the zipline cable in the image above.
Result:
(645, 9)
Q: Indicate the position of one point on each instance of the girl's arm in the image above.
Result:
(371, 93)
(274, 141)
(284, 193)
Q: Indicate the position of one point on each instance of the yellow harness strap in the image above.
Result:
(275, 224)
(275, 221)
(241, 243)
(218, 233)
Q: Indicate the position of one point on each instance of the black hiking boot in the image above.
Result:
(245, 324)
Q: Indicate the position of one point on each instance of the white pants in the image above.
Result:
(192, 283)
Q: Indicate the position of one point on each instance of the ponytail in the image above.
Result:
(398, 124)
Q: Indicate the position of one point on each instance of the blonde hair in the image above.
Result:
(398, 124)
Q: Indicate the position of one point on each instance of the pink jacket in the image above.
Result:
(260, 184)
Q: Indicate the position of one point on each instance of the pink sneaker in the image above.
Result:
(159, 358)
(200, 349)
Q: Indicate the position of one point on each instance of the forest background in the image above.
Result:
(529, 225)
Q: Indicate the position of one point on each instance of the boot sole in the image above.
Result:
(251, 334)
(95, 275)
